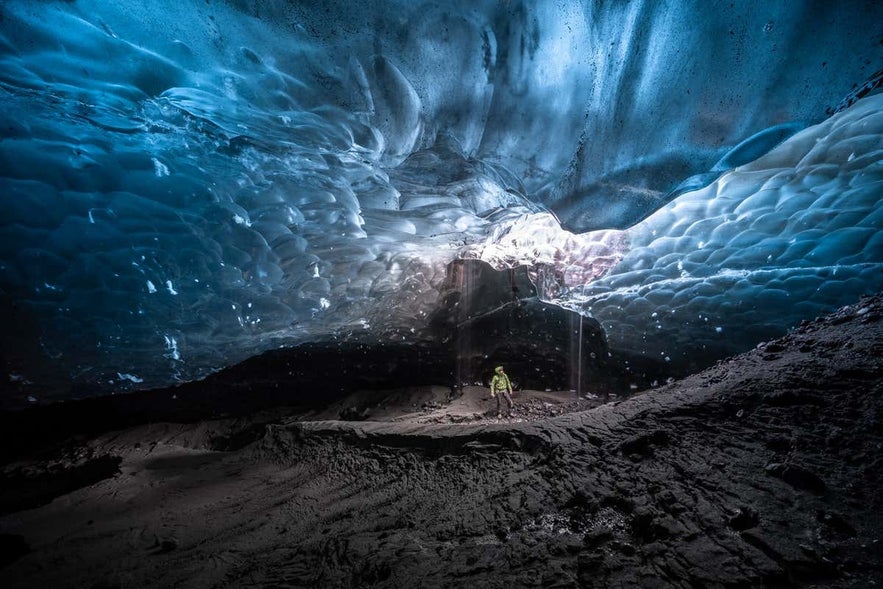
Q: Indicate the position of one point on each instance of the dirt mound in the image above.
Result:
(761, 471)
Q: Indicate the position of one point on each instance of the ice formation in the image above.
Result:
(189, 183)
(787, 237)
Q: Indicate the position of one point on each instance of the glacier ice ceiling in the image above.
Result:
(186, 184)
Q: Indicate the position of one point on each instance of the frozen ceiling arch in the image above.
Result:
(189, 183)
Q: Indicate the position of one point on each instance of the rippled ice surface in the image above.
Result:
(187, 184)
(787, 237)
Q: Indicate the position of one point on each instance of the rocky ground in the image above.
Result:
(762, 471)
(436, 404)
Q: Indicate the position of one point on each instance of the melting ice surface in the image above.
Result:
(189, 183)
(789, 236)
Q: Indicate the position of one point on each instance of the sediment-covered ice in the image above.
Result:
(185, 184)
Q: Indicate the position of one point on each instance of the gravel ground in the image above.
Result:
(762, 471)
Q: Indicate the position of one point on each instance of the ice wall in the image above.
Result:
(188, 183)
(787, 237)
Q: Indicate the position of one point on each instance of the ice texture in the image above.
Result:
(793, 234)
(185, 184)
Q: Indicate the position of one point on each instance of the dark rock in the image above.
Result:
(744, 518)
(623, 548)
(798, 477)
(372, 574)
(642, 524)
(642, 444)
(582, 501)
(238, 439)
(12, 547)
(590, 563)
(165, 545)
(778, 443)
(597, 537)
(26, 490)
(789, 398)
(836, 524)
(619, 503)
(354, 414)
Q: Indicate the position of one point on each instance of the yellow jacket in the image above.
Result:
(499, 383)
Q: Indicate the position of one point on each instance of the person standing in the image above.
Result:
(501, 387)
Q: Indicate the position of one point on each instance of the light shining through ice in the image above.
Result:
(188, 184)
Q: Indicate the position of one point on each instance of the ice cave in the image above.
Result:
(215, 207)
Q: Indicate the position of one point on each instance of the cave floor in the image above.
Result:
(762, 471)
